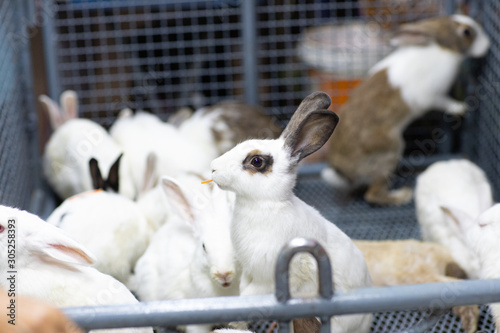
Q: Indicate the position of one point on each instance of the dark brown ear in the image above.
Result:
(311, 134)
(95, 174)
(113, 175)
(316, 101)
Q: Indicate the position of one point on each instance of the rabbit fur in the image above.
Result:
(366, 148)
(481, 234)
(267, 214)
(111, 226)
(455, 183)
(222, 126)
(143, 133)
(409, 261)
(72, 145)
(191, 255)
(56, 269)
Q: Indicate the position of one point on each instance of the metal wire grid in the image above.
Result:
(18, 174)
(482, 139)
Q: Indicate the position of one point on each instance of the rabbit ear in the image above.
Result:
(311, 134)
(175, 195)
(69, 252)
(69, 104)
(113, 175)
(52, 109)
(315, 101)
(150, 173)
(459, 221)
(125, 113)
(95, 174)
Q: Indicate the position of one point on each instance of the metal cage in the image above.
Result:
(162, 55)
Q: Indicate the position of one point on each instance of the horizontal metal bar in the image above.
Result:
(251, 308)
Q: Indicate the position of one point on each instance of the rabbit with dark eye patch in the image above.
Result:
(415, 78)
(267, 214)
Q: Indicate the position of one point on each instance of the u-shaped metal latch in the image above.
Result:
(282, 274)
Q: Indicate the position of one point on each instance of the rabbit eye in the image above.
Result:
(2, 228)
(467, 32)
(257, 161)
(204, 248)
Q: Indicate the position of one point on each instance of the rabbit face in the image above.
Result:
(472, 35)
(256, 168)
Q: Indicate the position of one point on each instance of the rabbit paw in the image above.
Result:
(456, 108)
(469, 317)
(381, 196)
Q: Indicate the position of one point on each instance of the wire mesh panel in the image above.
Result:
(17, 157)
(482, 139)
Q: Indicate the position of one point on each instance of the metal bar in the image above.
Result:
(249, 28)
(49, 44)
(266, 307)
(282, 273)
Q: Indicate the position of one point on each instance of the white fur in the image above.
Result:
(54, 268)
(190, 256)
(268, 215)
(455, 183)
(481, 234)
(424, 75)
(145, 133)
(72, 144)
(111, 226)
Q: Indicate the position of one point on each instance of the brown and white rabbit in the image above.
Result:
(267, 214)
(415, 78)
(222, 126)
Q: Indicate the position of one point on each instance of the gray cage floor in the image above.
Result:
(360, 220)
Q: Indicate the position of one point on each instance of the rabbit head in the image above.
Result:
(267, 168)
(38, 241)
(458, 33)
(208, 211)
(67, 111)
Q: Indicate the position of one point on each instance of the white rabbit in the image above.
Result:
(143, 133)
(366, 148)
(111, 226)
(72, 145)
(482, 235)
(54, 268)
(456, 183)
(191, 255)
(267, 214)
(222, 126)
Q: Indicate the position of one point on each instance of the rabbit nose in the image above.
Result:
(224, 279)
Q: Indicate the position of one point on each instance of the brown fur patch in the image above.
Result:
(452, 269)
(265, 168)
(366, 146)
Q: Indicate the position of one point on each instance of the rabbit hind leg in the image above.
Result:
(378, 193)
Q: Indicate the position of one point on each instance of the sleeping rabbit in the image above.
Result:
(481, 234)
(267, 214)
(455, 183)
(409, 261)
(71, 146)
(368, 144)
(111, 226)
(54, 268)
